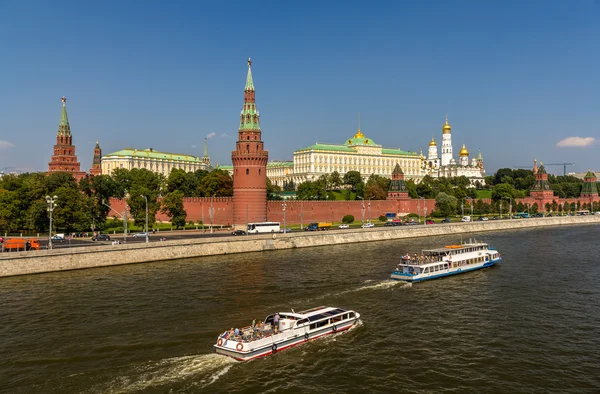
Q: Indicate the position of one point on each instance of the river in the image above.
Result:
(530, 324)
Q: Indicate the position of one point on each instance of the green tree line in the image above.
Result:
(83, 206)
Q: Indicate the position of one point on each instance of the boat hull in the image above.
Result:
(287, 343)
(454, 271)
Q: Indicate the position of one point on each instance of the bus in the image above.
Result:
(523, 215)
(582, 212)
(264, 227)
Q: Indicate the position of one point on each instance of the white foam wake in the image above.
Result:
(208, 367)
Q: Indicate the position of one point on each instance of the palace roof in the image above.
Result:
(152, 154)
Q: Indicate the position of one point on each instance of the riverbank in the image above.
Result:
(36, 262)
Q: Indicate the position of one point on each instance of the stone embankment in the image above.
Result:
(35, 262)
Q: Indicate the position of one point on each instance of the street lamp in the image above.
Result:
(369, 214)
(211, 213)
(362, 210)
(470, 203)
(146, 198)
(419, 209)
(51, 205)
(301, 214)
(283, 206)
(509, 207)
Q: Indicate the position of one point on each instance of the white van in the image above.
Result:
(466, 219)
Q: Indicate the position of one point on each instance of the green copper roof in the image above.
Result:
(225, 168)
(360, 139)
(590, 174)
(63, 126)
(250, 117)
(327, 147)
(97, 145)
(397, 169)
(152, 154)
(273, 164)
(249, 81)
(397, 152)
(542, 170)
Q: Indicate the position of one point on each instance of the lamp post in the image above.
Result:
(509, 206)
(527, 209)
(146, 199)
(419, 209)
(51, 205)
(462, 207)
(283, 206)
(211, 213)
(301, 214)
(362, 210)
(369, 213)
(470, 203)
(246, 219)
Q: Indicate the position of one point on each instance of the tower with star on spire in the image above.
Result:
(64, 158)
(249, 163)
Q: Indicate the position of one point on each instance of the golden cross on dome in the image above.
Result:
(249, 62)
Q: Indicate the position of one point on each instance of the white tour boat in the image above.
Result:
(446, 261)
(292, 329)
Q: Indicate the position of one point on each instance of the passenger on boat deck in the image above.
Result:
(237, 332)
(253, 323)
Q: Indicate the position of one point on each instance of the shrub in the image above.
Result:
(383, 218)
(412, 215)
(348, 219)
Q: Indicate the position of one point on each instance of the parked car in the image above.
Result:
(285, 230)
(343, 226)
(445, 221)
(430, 222)
(238, 232)
(495, 218)
(368, 225)
(140, 235)
(482, 218)
(411, 223)
(101, 237)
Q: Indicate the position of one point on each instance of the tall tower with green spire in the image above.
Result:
(249, 163)
(97, 162)
(64, 158)
(205, 157)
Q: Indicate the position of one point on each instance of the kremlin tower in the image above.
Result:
(97, 163)
(64, 158)
(249, 163)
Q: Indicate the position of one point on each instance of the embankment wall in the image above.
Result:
(23, 263)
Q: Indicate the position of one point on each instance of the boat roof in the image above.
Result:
(448, 248)
(315, 313)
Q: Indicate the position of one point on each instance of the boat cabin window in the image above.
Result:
(301, 322)
(351, 315)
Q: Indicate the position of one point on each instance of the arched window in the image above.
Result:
(248, 137)
(248, 148)
(259, 171)
(247, 171)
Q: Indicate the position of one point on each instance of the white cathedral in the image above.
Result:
(446, 166)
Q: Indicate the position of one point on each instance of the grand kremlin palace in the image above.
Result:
(158, 162)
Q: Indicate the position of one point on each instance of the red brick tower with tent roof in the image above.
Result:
(249, 163)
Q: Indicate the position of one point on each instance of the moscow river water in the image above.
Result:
(529, 325)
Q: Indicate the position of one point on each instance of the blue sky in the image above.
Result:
(516, 78)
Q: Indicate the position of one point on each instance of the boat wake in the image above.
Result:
(383, 285)
(208, 368)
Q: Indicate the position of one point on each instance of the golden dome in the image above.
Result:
(464, 151)
(446, 128)
(432, 143)
(359, 134)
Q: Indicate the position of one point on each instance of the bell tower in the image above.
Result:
(249, 163)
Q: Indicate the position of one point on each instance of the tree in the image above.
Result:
(445, 204)
(311, 191)
(548, 207)
(354, 179)
(273, 191)
(172, 206)
(377, 187)
(348, 219)
(335, 180)
(503, 190)
(216, 183)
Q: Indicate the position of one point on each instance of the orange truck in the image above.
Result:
(18, 244)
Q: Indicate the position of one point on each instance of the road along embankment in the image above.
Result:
(36, 262)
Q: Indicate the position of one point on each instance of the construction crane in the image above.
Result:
(561, 164)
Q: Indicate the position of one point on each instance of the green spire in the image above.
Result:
(205, 148)
(63, 127)
(97, 145)
(249, 81)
